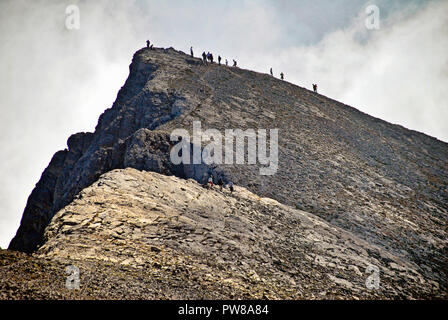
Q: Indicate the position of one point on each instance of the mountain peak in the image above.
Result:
(382, 183)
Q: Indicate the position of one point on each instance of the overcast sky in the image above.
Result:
(55, 82)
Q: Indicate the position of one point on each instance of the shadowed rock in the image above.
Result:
(380, 182)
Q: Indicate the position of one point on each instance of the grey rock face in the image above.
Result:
(241, 244)
(141, 103)
(381, 182)
(70, 170)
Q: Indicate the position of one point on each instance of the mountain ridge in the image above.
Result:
(139, 234)
(382, 182)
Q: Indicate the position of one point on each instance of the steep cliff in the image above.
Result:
(136, 234)
(384, 184)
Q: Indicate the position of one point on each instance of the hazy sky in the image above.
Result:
(55, 82)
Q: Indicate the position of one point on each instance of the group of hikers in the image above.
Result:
(282, 76)
(209, 57)
(210, 184)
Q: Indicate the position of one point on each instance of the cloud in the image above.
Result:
(398, 73)
(56, 82)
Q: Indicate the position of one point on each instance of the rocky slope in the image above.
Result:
(382, 183)
(137, 234)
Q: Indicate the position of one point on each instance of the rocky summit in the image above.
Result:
(356, 208)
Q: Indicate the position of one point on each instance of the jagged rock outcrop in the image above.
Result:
(147, 100)
(136, 234)
(381, 182)
(77, 167)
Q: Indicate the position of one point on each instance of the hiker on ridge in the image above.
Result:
(230, 186)
(234, 63)
(191, 51)
(219, 60)
(281, 75)
(272, 74)
(227, 62)
(147, 43)
(204, 57)
(210, 181)
(220, 183)
(315, 87)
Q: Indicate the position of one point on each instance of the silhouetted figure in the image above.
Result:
(211, 57)
(315, 87)
(227, 62)
(150, 47)
(147, 43)
(219, 60)
(234, 62)
(220, 183)
(210, 181)
(204, 56)
(281, 75)
(231, 186)
(272, 74)
(191, 51)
